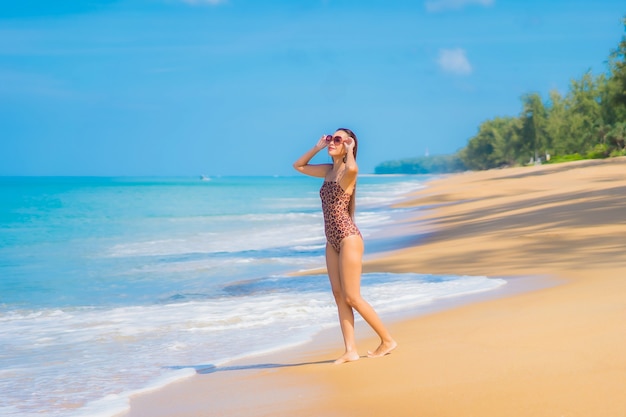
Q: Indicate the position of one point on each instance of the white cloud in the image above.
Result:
(442, 5)
(454, 61)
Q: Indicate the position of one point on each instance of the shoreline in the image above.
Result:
(519, 354)
(209, 391)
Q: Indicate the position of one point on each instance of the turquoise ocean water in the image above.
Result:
(110, 286)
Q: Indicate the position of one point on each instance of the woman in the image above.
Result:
(344, 247)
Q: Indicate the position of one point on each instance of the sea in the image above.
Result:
(110, 286)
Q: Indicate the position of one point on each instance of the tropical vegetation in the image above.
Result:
(587, 122)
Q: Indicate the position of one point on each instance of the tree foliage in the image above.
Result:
(435, 164)
(589, 121)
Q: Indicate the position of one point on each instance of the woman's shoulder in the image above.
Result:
(347, 182)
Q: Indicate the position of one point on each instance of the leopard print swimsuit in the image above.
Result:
(337, 221)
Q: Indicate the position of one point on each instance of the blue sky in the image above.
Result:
(243, 87)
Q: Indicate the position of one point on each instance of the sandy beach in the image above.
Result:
(555, 351)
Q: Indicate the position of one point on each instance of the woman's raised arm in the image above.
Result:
(315, 170)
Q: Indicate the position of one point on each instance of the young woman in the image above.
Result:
(344, 247)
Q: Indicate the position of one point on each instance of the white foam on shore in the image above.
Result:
(115, 404)
(114, 352)
(198, 289)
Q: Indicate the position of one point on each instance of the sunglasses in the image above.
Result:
(336, 140)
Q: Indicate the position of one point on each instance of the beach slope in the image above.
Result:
(555, 351)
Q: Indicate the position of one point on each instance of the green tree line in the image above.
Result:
(587, 122)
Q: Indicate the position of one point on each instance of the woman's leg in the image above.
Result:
(350, 259)
(346, 315)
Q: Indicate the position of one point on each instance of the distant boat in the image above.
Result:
(205, 178)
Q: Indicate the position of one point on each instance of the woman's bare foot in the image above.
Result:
(383, 349)
(347, 357)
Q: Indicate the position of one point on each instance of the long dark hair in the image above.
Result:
(352, 205)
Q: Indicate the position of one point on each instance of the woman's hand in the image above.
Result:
(321, 144)
(349, 145)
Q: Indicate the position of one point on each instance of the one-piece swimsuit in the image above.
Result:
(338, 223)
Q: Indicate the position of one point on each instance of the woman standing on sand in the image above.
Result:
(344, 247)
